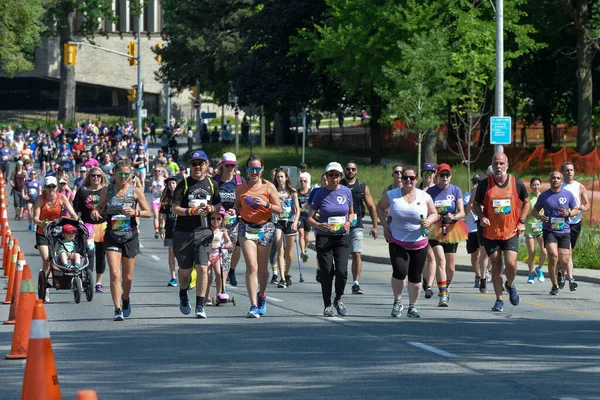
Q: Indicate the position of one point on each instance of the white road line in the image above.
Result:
(568, 398)
(155, 257)
(432, 349)
(274, 299)
(141, 246)
(337, 319)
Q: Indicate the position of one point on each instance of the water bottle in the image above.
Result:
(424, 230)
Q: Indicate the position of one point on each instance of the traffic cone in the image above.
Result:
(14, 305)
(87, 395)
(6, 257)
(20, 339)
(14, 281)
(13, 262)
(5, 244)
(40, 381)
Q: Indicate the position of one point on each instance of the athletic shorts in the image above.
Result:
(562, 239)
(262, 234)
(480, 237)
(41, 240)
(575, 231)
(192, 247)
(449, 248)
(155, 207)
(129, 249)
(472, 243)
(168, 242)
(492, 246)
(285, 227)
(356, 240)
(303, 223)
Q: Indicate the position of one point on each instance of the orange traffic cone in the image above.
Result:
(40, 381)
(14, 282)
(13, 273)
(6, 257)
(5, 246)
(20, 339)
(3, 232)
(87, 395)
(13, 262)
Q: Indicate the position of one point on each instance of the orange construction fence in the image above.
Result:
(541, 160)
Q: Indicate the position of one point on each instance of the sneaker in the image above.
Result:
(540, 275)
(561, 280)
(356, 289)
(47, 296)
(288, 280)
(156, 235)
(208, 302)
(512, 292)
(304, 257)
(282, 284)
(275, 278)
(498, 306)
(488, 276)
(262, 305)
(200, 313)
(318, 276)
(118, 315)
(444, 301)
(531, 279)
(173, 283)
(413, 312)
(126, 307)
(99, 288)
(477, 282)
(328, 311)
(572, 285)
(341, 309)
(554, 291)
(231, 277)
(253, 313)
(428, 292)
(397, 308)
(483, 286)
(184, 304)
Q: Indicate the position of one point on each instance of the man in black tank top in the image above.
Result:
(361, 195)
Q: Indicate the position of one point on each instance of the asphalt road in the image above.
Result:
(546, 348)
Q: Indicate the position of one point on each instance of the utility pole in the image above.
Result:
(498, 148)
(198, 97)
(303, 134)
(237, 137)
(140, 89)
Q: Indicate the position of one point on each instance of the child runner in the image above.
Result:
(220, 242)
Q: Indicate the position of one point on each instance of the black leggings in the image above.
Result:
(100, 257)
(407, 262)
(333, 253)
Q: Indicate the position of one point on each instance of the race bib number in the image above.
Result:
(32, 191)
(536, 227)
(254, 233)
(354, 221)
(557, 224)
(501, 207)
(230, 220)
(198, 202)
(337, 224)
(443, 206)
(4, 158)
(286, 210)
(120, 223)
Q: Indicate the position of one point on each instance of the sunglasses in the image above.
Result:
(444, 175)
(229, 165)
(303, 180)
(398, 172)
(51, 186)
(196, 163)
(331, 175)
(254, 170)
(427, 173)
(411, 178)
(350, 169)
(96, 175)
(123, 174)
(215, 218)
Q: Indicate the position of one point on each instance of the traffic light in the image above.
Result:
(70, 55)
(195, 92)
(131, 95)
(132, 51)
(157, 49)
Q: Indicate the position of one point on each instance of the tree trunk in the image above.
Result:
(66, 107)
(584, 81)
(547, 123)
(281, 125)
(428, 151)
(376, 105)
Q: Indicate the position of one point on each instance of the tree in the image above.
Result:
(20, 30)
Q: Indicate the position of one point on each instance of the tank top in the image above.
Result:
(19, 182)
(114, 209)
(303, 203)
(49, 213)
(501, 207)
(287, 206)
(574, 188)
(249, 211)
(156, 190)
(217, 242)
(533, 227)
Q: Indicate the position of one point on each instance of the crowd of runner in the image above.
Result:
(208, 218)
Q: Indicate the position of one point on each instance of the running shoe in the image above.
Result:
(200, 313)
(397, 308)
(444, 301)
(498, 306)
(512, 292)
(428, 292)
(231, 277)
(262, 305)
(356, 289)
(126, 307)
(208, 302)
(184, 303)
(477, 282)
(288, 280)
(281, 284)
(540, 275)
(413, 312)
(572, 285)
(47, 296)
(561, 280)
(318, 276)
(304, 257)
(328, 312)
(173, 283)
(341, 309)
(99, 288)
(554, 291)
(156, 235)
(488, 276)
(531, 279)
(118, 315)
(253, 313)
(483, 286)
(275, 278)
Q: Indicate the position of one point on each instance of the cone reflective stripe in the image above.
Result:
(20, 339)
(40, 381)
(3, 231)
(5, 247)
(13, 263)
(87, 395)
(14, 299)
(7, 255)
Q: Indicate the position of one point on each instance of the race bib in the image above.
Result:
(253, 233)
(557, 224)
(355, 221)
(536, 227)
(4, 158)
(501, 207)
(32, 191)
(120, 223)
(443, 206)
(198, 202)
(230, 220)
(337, 224)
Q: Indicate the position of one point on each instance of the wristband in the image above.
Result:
(268, 206)
(139, 213)
(190, 211)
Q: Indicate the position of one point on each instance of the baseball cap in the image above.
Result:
(428, 167)
(198, 155)
(169, 179)
(83, 168)
(169, 155)
(444, 167)
(62, 180)
(19, 162)
(69, 229)
(334, 166)
(228, 158)
(50, 180)
(476, 178)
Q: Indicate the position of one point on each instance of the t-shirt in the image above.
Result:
(107, 168)
(64, 157)
(445, 200)
(5, 153)
(406, 217)
(552, 202)
(85, 201)
(78, 182)
(195, 194)
(333, 207)
(32, 189)
(471, 217)
(170, 220)
(227, 192)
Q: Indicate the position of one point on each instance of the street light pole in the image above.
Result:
(303, 134)
(140, 89)
(499, 65)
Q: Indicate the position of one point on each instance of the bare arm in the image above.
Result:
(142, 204)
(36, 211)
(584, 200)
(372, 211)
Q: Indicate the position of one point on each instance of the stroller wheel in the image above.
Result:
(77, 289)
(90, 284)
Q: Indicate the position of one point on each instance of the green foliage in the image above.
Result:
(20, 31)
(60, 14)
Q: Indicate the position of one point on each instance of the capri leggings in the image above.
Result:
(407, 262)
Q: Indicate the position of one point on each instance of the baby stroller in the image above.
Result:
(78, 279)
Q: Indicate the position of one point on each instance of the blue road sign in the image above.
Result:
(207, 115)
(500, 131)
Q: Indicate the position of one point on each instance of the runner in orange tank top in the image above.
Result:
(505, 206)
